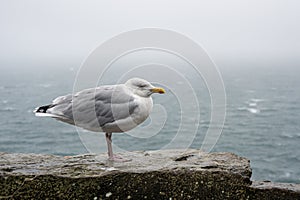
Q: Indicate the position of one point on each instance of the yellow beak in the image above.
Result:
(158, 90)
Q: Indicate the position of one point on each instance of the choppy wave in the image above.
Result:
(285, 135)
(249, 109)
(257, 100)
(254, 104)
(261, 123)
(253, 110)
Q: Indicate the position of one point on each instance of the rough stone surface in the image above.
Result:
(164, 174)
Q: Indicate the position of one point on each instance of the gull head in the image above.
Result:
(142, 87)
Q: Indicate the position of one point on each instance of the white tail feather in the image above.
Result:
(45, 115)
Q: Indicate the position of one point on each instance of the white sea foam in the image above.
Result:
(253, 110)
(241, 108)
(257, 100)
(252, 104)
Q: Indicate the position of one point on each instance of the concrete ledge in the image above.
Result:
(164, 174)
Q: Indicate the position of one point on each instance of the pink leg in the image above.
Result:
(109, 146)
(111, 156)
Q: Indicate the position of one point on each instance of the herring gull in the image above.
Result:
(108, 108)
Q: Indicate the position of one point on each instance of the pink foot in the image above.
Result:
(117, 158)
(68, 157)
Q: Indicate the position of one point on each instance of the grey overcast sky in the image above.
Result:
(54, 31)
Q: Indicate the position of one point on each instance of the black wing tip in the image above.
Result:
(43, 109)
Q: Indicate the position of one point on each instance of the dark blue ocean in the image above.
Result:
(262, 121)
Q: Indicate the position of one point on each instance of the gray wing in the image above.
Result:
(95, 107)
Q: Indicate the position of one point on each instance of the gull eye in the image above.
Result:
(142, 85)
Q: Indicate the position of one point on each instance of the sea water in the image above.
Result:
(262, 119)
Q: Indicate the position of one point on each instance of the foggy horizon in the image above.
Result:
(56, 34)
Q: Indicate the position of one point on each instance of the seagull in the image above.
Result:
(108, 108)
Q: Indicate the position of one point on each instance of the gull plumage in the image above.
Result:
(108, 108)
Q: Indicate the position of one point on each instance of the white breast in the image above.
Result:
(138, 116)
(141, 113)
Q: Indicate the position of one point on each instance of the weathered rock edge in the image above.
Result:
(164, 174)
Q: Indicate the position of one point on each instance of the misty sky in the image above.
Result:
(55, 31)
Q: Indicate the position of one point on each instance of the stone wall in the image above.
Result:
(164, 174)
